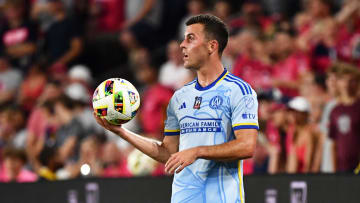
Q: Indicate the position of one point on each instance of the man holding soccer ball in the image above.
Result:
(211, 124)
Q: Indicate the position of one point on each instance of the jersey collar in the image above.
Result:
(200, 88)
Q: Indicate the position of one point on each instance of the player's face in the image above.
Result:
(194, 47)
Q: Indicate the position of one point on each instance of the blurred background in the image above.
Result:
(301, 56)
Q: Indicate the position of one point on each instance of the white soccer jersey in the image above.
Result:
(208, 116)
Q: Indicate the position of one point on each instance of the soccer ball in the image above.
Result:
(116, 100)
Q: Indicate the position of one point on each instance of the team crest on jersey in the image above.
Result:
(216, 102)
(197, 102)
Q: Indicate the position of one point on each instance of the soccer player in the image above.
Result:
(211, 122)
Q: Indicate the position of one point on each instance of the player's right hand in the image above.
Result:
(108, 126)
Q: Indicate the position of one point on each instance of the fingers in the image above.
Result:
(102, 121)
(98, 119)
(170, 163)
(182, 166)
(177, 164)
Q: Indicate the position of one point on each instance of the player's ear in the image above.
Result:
(212, 46)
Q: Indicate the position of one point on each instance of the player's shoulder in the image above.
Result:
(238, 85)
(190, 83)
(186, 87)
(183, 90)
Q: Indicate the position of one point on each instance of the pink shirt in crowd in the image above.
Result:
(291, 69)
(155, 101)
(24, 176)
(254, 72)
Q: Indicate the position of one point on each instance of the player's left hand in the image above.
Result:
(178, 161)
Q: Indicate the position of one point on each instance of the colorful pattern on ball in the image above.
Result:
(116, 100)
(101, 111)
(132, 97)
(109, 87)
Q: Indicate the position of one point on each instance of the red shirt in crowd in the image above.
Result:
(153, 110)
(347, 40)
(291, 69)
(345, 131)
(253, 72)
(112, 14)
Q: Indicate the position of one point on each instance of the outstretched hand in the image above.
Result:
(108, 126)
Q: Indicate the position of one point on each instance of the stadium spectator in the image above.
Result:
(141, 21)
(81, 74)
(249, 65)
(324, 125)
(222, 9)
(302, 138)
(344, 120)
(348, 33)
(107, 16)
(114, 161)
(316, 29)
(194, 7)
(315, 14)
(155, 97)
(290, 67)
(40, 13)
(47, 164)
(32, 87)
(10, 79)
(276, 127)
(88, 160)
(18, 35)
(41, 123)
(63, 42)
(89, 154)
(12, 169)
(12, 132)
(83, 111)
(172, 72)
(70, 132)
(251, 17)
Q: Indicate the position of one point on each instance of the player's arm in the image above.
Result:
(242, 147)
(157, 150)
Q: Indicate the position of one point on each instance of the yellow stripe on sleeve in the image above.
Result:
(240, 124)
(166, 130)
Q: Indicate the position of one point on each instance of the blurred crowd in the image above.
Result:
(301, 56)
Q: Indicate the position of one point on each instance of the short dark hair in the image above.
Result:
(214, 28)
(12, 152)
(67, 102)
(46, 154)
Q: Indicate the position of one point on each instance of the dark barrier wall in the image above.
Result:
(258, 189)
(132, 190)
(303, 188)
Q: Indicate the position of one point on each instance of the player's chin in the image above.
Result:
(189, 66)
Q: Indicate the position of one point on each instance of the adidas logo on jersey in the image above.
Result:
(183, 106)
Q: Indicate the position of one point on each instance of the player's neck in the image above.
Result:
(209, 73)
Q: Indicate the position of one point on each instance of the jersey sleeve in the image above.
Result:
(172, 123)
(244, 111)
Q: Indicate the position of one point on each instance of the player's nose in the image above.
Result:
(182, 45)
